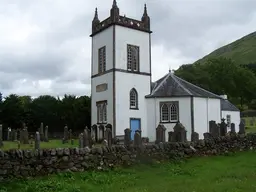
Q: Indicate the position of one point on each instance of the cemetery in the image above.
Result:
(87, 156)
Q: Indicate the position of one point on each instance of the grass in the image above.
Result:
(232, 173)
(44, 145)
(250, 128)
(242, 51)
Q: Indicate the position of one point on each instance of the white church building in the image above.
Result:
(123, 94)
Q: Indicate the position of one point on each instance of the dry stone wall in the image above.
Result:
(31, 163)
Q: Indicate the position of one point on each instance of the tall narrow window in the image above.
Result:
(228, 120)
(102, 59)
(101, 111)
(174, 112)
(133, 99)
(164, 113)
(133, 58)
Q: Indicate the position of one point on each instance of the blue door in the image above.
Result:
(135, 125)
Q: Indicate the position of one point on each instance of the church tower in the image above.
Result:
(121, 72)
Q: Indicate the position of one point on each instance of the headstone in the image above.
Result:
(233, 128)
(65, 134)
(9, 134)
(208, 136)
(214, 129)
(105, 143)
(86, 136)
(95, 132)
(41, 131)
(15, 135)
(37, 140)
(180, 133)
(137, 139)
(101, 131)
(170, 136)
(90, 141)
(160, 133)
(72, 141)
(81, 140)
(241, 128)
(127, 137)
(194, 136)
(70, 134)
(25, 136)
(46, 134)
(108, 136)
(1, 136)
(223, 128)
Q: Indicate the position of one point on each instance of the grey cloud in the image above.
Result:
(53, 53)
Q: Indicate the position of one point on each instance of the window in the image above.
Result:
(133, 57)
(169, 111)
(228, 121)
(174, 112)
(101, 111)
(164, 113)
(102, 59)
(133, 99)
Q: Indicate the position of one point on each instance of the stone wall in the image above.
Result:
(30, 163)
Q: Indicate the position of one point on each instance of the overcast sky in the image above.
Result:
(45, 44)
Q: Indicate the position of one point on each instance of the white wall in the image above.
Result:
(99, 96)
(153, 112)
(235, 118)
(125, 82)
(205, 110)
(104, 38)
(126, 36)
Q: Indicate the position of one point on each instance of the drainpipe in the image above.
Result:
(207, 114)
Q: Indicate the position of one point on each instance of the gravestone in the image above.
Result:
(170, 136)
(70, 134)
(89, 136)
(1, 136)
(208, 136)
(9, 134)
(46, 134)
(86, 139)
(25, 136)
(95, 132)
(194, 136)
(37, 140)
(241, 128)
(137, 139)
(81, 140)
(233, 128)
(41, 131)
(127, 137)
(214, 129)
(179, 133)
(223, 127)
(14, 135)
(65, 138)
(101, 132)
(108, 136)
(160, 133)
(72, 141)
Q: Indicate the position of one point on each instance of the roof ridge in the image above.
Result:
(167, 75)
(198, 87)
(175, 79)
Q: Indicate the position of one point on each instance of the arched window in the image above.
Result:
(164, 113)
(174, 112)
(133, 99)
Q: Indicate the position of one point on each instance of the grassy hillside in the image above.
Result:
(241, 51)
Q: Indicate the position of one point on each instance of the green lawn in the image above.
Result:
(249, 127)
(212, 174)
(51, 144)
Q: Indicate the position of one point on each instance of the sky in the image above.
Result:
(45, 46)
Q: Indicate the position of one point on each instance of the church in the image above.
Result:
(123, 94)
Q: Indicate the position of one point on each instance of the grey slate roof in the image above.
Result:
(172, 86)
(227, 106)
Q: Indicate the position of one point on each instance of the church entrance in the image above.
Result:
(134, 125)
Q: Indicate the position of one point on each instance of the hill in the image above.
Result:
(241, 51)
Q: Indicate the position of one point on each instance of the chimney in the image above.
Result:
(224, 97)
